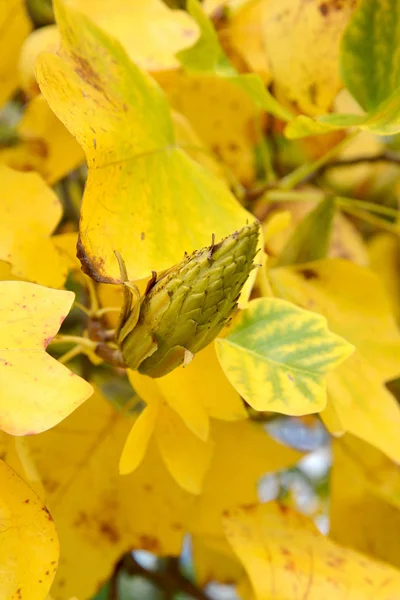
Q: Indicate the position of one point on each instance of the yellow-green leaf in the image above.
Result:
(142, 192)
(29, 543)
(36, 391)
(286, 557)
(277, 356)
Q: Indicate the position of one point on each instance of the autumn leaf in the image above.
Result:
(26, 242)
(15, 26)
(144, 510)
(171, 434)
(356, 306)
(207, 57)
(276, 356)
(37, 391)
(132, 157)
(137, 26)
(384, 256)
(29, 545)
(301, 41)
(365, 500)
(369, 43)
(286, 557)
(179, 407)
(44, 144)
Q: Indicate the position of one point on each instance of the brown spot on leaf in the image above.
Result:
(309, 273)
(324, 9)
(142, 235)
(85, 71)
(48, 515)
(149, 542)
(109, 532)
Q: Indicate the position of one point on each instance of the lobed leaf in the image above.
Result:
(277, 355)
(36, 391)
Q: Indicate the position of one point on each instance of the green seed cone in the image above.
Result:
(188, 305)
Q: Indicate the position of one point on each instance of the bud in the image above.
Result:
(185, 307)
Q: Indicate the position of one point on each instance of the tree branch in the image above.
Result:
(171, 580)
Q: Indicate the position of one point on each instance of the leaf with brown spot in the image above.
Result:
(287, 558)
(29, 544)
(139, 181)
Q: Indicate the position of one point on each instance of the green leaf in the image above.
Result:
(370, 52)
(207, 57)
(310, 239)
(277, 355)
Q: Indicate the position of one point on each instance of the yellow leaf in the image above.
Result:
(246, 36)
(30, 211)
(214, 561)
(100, 514)
(302, 45)
(286, 557)
(230, 130)
(384, 256)
(355, 304)
(137, 26)
(15, 26)
(243, 453)
(196, 392)
(137, 442)
(365, 500)
(171, 433)
(277, 356)
(15, 452)
(37, 391)
(45, 144)
(29, 544)
(142, 191)
(186, 456)
(44, 38)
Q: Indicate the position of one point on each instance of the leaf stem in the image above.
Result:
(306, 170)
(74, 339)
(75, 351)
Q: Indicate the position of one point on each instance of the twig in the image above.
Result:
(386, 156)
(171, 580)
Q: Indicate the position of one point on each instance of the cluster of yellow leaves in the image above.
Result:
(165, 123)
